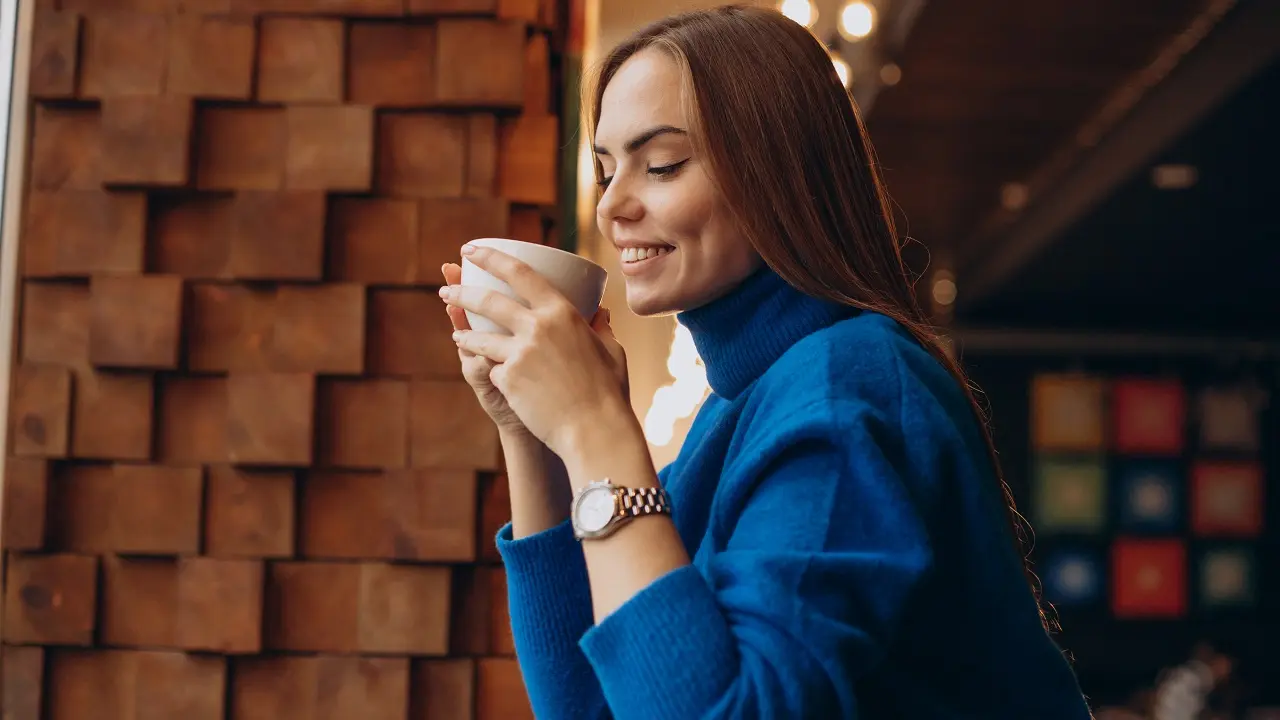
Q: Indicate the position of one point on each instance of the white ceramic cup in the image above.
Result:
(577, 278)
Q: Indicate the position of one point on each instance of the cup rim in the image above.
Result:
(545, 247)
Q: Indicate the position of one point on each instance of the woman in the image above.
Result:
(833, 540)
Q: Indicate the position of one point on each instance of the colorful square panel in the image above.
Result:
(1226, 499)
(1149, 495)
(1149, 416)
(1067, 413)
(1229, 418)
(1227, 577)
(1072, 577)
(1069, 495)
(1148, 578)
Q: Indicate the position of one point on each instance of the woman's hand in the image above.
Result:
(556, 372)
(475, 368)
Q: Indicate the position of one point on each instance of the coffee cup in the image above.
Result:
(577, 278)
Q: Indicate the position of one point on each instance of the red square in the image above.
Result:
(1148, 578)
(1149, 416)
(1226, 499)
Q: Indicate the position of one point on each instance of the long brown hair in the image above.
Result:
(786, 147)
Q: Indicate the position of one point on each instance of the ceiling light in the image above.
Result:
(842, 69)
(801, 11)
(1174, 176)
(857, 20)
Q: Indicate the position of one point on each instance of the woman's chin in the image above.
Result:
(645, 302)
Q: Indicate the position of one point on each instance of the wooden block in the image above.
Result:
(23, 682)
(353, 8)
(537, 67)
(26, 503)
(135, 321)
(321, 688)
(40, 411)
(495, 512)
(136, 685)
(50, 599)
(409, 335)
(482, 155)
(471, 622)
(501, 641)
(500, 691)
(146, 140)
(270, 418)
(124, 54)
(329, 148)
(193, 420)
(448, 428)
(442, 689)
(220, 605)
(425, 515)
(373, 240)
(65, 148)
(446, 224)
(240, 148)
(248, 514)
(526, 223)
(55, 322)
(300, 60)
(228, 327)
(318, 329)
(77, 233)
(392, 65)
(130, 509)
(93, 8)
(211, 57)
(278, 235)
(422, 155)
(197, 604)
(55, 53)
(452, 7)
(526, 11)
(111, 418)
(480, 63)
(139, 602)
(190, 236)
(365, 608)
(363, 424)
(528, 152)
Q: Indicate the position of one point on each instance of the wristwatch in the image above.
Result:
(602, 507)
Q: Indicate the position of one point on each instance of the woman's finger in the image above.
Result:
(452, 273)
(458, 317)
(496, 348)
(495, 306)
(526, 282)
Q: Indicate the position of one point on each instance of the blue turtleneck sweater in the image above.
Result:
(851, 556)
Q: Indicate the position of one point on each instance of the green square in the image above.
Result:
(1069, 495)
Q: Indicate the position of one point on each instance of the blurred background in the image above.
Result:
(240, 466)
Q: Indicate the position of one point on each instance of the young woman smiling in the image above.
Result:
(833, 540)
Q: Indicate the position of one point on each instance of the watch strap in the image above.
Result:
(634, 502)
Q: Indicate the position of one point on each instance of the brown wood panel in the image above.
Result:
(244, 470)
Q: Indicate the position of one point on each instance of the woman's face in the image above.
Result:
(675, 237)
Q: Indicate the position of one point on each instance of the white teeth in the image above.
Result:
(634, 254)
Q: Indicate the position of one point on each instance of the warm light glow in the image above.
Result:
(801, 11)
(857, 20)
(680, 399)
(842, 69)
(890, 74)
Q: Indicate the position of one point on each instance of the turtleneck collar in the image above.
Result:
(743, 333)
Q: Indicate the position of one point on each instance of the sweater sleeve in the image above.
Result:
(549, 601)
(802, 599)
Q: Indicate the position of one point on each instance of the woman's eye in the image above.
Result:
(603, 182)
(667, 170)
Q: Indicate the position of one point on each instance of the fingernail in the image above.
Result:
(468, 249)
(457, 335)
(444, 292)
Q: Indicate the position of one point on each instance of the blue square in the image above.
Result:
(1150, 496)
(1072, 577)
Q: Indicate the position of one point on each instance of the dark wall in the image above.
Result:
(1115, 657)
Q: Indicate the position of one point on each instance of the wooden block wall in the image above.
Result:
(245, 478)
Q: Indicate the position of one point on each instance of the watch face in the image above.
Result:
(595, 508)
